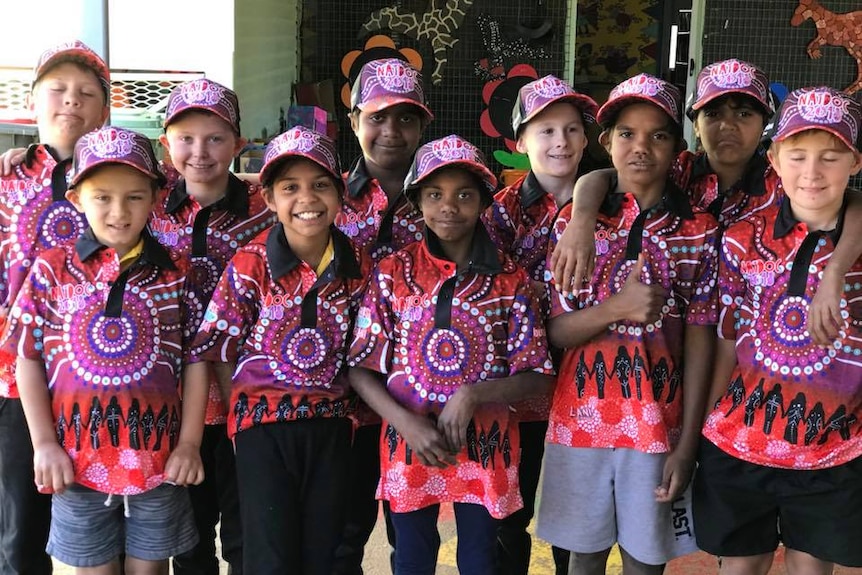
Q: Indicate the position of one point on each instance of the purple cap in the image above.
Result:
(820, 108)
(114, 145)
(731, 77)
(639, 89)
(300, 142)
(74, 51)
(539, 94)
(204, 94)
(448, 152)
(385, 83)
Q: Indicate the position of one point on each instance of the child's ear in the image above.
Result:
(605, 140)
(268, 198)
(166, 144)
(239, 144)
(772, 156)
(354, 120)
(857, 163)
(520, 145)
(74, 198)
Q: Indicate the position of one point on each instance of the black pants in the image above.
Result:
(514, 543)
(293, 480)
(215, 499)
(25, 514)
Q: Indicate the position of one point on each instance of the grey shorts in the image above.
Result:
(593, 498)
(87, 533)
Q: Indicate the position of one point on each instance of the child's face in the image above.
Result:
(305, 199)
(730, 131)
(815, 168)
(555, 141)
(201, 147)
(642, 145)
(389, 138)
(117, 201)
(451, 203)
(68, 101)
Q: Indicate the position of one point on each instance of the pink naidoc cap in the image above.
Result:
(385, 83)
(451, 151)
(539, 94)
(731, 77)
(204, 94)
(114, 145)
(639, 89)
(300, 142)
(74, 51)
(820, 108)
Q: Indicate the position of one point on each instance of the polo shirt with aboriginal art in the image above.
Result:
(34, 217)
(758, 188)
(789, 403)
(520, 222)
(624, 387)
(112, 345)
(371, 222)
(286, 328)
(208, 237)
(430, 329)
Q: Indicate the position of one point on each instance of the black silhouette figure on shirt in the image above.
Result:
(472, 452)
(161, 426)
(581, 373)
(735, 390)
(675, 381)
(148, 425)
(795, 414)
(62, 426)
(284, 409)
(660, 374)
(493, 442)
(95, 422)
(506, 450)
(133, 424)
(600, 373)
(173, 428)
(303, 410)
(771, 405)
(840, 422)
(623, 370)
(113, 419)
(753, 403)
(322, 408)
(260, 410)
(639, 368)
(240, 410)
(391, 440)
(338, 408)
(484, 454)
(814, 422)
(75, 423)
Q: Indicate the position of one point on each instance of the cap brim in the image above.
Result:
(487, 176)
(160, 178)
(698, 105)
(198, 108)
(582, 102)
(380, 104)
(779, 136)
(611, 110)
(81, 57)
(267, 173)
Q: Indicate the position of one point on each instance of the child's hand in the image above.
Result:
(184, 466)
(678, 468)
(427, 442)
(574, 257)
(640, 302)
(10, 159)
(455, 417)
(824, 313)
(52, 468)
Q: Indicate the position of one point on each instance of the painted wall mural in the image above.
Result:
(833, 29)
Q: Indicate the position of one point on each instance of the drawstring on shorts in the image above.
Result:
(125, 503)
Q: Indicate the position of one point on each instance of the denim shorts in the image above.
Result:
(90, 528)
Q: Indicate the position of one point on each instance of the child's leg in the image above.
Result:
(801, 563)
(477, 539)
(632, 566)
(230, 529)
(588, 563)
(418, 541)
(110, 568)
(751, 565)
(136, 566)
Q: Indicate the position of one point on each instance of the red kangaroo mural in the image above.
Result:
(833, 30)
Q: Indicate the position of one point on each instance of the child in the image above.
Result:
(388, 117)
(97, 328)
(451, 324)
(205, 217)
(69, 98)
(730, 178)
(629, 401)
(277, 328)
(549, 121)
(782, 453)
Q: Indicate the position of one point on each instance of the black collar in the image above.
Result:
(234, 201)
(357, 178)
(282, 260)
(153, 252)
(752, 181)
(785, 221)
(483, 252)
(531, 191)
(674, 201)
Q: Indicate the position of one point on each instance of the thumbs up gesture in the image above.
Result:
(637, 301)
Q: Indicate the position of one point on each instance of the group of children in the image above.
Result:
(279, 356)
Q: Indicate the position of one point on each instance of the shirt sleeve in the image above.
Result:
(26, 320)
(731, 285)
(500, 222)
(703, 307)
(528, 344)
(373, 332)
(559, 304)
